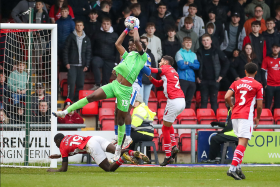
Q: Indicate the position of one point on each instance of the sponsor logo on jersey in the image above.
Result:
(276, 67)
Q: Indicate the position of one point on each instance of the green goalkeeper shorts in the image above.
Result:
(121, 92)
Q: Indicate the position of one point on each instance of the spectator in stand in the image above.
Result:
(185, 9)
(40, 94)
(277, 19)
(92, 26)
(221, 11)
(187, 31)
(211, 29)
(153, 5)
(162, 19)
(234, 35)
(76, 58)
(257, 40)
(270, 66)
(187, 62)
(56, 10)
(105, 11)
(17, 83)
(72, 117)
(258, 17)
(3, 90)
(80, 8)
(249, 9)
(3, 118)
(198, 26)
(104, 53)
(40, 15)
(23, 6)
(143, 18)
(65, 26)
(120, 27)
(170, 46)
(146, 83)
(247, 55)
(96, 6)
(18, 114)
(238, 7)
(154, 41)
(43, 115)
(220, 33)
(270, 35)
(213, 67)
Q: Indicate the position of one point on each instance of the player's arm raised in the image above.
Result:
(137, 38)
(119, 42)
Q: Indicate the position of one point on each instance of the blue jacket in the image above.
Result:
(186, 72)
(65, 26)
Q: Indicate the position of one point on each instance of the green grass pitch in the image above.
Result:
(139, 176)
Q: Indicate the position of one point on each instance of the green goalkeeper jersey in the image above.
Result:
(132, 64)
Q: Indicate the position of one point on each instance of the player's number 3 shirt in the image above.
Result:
(247, 90)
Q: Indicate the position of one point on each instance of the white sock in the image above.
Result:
(116, 137)
(127, 137)
(118, 147)
(232, 168)
(65, 112)
(238, 166)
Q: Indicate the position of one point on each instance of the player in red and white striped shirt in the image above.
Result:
(246, 91)
(175, 104)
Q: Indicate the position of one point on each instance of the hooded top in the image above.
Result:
(215, 40)
(188, 33)
(79, 43)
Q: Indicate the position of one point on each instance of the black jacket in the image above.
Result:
(239, 30)
(270, 40)
(237, 7)
(221, 11)
(237, 68)
(162, 24)
(104, 45)
(44, 19)
(145, 79)
(91, 28)
(170, 49)
(78, 6)
(220, 61)
(71, 52)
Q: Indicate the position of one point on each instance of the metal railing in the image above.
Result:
(43, 126)
(193, 127)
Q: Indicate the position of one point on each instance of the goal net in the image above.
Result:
(28, 93)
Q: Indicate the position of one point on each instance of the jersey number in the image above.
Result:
(124, 102)
(242, 97)
(177, 84)
(75, 139)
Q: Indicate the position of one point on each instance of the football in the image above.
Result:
(129, 22)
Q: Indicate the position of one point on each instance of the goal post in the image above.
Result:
(15, 34)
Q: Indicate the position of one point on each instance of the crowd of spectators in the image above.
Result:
(210, 40)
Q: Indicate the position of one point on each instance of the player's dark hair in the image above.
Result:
(193, 5)
(103, 4)
(142, 43)
(255, 23)
(93, 11)
(169, 59)
(58, 136)
(251, 68)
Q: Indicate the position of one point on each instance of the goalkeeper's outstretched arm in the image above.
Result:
(119, 42)
(136, 37)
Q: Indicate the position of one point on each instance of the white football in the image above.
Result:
(129, 22)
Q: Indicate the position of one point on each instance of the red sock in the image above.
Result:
(131, 153)
(238, 155)
(172, 135)
(120, 161)
(167, 140)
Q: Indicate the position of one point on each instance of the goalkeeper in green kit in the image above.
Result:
(121, 88)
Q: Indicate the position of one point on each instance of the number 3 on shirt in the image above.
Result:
(75, 139)
(242, 97)
(177, 84)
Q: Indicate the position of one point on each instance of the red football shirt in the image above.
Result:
(58, 14)
(272, 66)
(73, 144)
(246, 90)
(170, 82)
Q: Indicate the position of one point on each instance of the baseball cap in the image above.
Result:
(212, 10)
(235, 14)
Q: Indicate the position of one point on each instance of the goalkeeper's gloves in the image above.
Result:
(137, 24)
(126, 31)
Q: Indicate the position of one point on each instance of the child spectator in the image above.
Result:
(3, 90)
(65, 26)
(40, 15)
(76, 58)
(137, 12)
(187, 31)
(43, 115)
(3, 118)
(249, 9)
(154, 41)
(198, 26)
(56, 10)
(104, 53)
(162, 20)
(72, 117)
(257, 40)
(187, 62)
(93, 25)
(170, 46)
(18, 114)
(258, 17)
(271, 35)
(17, 83)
